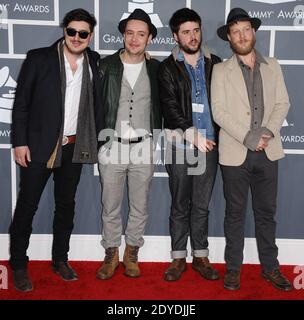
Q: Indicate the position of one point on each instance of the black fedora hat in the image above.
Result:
(138, 14)
(237, 14)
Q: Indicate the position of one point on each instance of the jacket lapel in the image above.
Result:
(55, 69)
(237, 80)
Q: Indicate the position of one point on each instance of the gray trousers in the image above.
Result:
(113, 177)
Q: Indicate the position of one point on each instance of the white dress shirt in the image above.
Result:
(72, 96)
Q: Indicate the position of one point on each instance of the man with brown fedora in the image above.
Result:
(249, 103)
(130, 100)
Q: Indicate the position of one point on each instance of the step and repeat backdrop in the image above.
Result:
(26, 24)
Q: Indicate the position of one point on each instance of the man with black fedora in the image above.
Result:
(130, 99)
(249, 103)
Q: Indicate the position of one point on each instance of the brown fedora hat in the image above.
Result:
(138, 14)
(237, 14)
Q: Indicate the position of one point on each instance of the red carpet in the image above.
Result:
(151, 286)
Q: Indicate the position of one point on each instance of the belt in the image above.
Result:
(68, 139)
(129, 141)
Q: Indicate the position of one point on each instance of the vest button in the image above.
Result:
(130, 115)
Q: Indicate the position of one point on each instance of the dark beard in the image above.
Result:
(189, 50)
(243, 52)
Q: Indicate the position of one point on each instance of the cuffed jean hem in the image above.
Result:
(179, 254)
(200, 253)
(107, 245)
(134, 244)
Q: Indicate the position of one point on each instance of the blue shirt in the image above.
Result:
(201, 120)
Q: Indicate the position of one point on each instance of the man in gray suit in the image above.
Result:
(249, 103)
(131, 104)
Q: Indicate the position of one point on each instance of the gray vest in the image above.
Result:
(134, 104)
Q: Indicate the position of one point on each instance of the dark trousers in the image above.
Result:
(261, 175)
(33, 180)
(190, 201)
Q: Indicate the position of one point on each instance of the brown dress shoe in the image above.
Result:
(111, 262)
(130, 261)
(175, 270)
(64, 270)
(232, 280)
(22, 281)
(204, 268)
(277, 279)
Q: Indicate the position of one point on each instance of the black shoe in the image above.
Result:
(64, 270)
(22, 281)
(232, 280)
(277, 279)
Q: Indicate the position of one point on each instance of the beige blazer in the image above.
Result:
(231, 109)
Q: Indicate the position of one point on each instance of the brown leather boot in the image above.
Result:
(175, 270)
(109, 265)
(232, 280)
(130, 261)
(277, 279)
(204, 268)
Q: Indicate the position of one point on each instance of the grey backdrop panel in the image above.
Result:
(41, 30)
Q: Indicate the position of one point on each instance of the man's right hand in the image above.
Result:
(193, 136)
(263, 143)
(203, 144)
(22, 155)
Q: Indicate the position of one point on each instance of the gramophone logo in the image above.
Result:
(7, 94)
(147, 6)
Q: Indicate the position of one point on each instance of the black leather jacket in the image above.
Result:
(175, 90)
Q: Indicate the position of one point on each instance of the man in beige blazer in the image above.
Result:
(249, 103)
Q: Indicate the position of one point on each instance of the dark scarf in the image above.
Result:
(85, 150)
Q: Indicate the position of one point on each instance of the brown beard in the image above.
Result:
(243, 51)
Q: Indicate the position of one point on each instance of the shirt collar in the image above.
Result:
(181, 57)
(258, 59)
